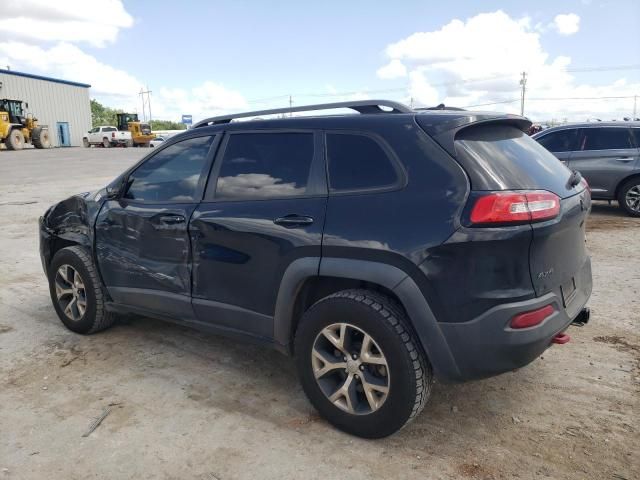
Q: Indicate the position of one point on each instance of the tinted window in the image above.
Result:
(503, 158)
(357, 162)
(603, 138)
(171, 175)
(562, 141)
(260, 165)
(109, 129)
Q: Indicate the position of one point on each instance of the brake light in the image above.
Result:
(532, 318)
(585, 184)
(515, 207)
(113, 134)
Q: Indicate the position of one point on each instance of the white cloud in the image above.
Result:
(394, 69)
(479, 60)
(567, 24)
(42, 37)
(96, 22)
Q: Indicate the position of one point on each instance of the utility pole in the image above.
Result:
(290, 105)
(523, 83)
(146, 103)
(411, 103)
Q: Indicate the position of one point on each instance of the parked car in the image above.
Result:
(607, 154)
(381, 250)
(107, 136)
(156, 142)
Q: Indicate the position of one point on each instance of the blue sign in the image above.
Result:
(187, 119)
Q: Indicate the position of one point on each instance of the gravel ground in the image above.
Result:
(189, 405)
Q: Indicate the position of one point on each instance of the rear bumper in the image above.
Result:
(487, 346)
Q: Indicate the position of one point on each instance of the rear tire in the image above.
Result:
(378, 389)
(629, 197)
(15, 140)
(76, 292)
(40, 137)
(106, 143)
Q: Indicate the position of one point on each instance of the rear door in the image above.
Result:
(264, 208)
(605, 156)
(560, 142)
(142, 242)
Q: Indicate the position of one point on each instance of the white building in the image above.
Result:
(62, 105)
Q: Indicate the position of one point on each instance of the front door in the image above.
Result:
(142, 240)
(263, 209)
(606, 155)
(63, 134)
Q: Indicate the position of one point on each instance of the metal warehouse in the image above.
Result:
(62, 105)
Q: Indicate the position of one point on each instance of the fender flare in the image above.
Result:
(393, 278)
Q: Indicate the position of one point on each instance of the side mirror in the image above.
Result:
(115, 189)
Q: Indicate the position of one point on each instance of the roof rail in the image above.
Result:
(360, 106)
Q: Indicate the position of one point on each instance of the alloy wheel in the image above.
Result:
(350, 368)
(632, 198)
(70, 292)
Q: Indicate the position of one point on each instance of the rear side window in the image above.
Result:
(561, 141)
(171, 175)
(501, 157)
(603, 138)
(265, 165)
(358, 162)
(109, 129)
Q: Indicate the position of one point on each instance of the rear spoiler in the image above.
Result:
(444, 131)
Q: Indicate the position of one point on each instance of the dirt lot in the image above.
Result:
(189, 405)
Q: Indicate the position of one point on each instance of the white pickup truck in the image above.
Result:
(107, 137)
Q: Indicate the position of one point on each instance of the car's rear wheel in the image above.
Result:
(360, 365)
(76, 292)
(106, 143)
(629, 197)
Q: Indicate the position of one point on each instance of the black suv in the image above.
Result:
(382, 250)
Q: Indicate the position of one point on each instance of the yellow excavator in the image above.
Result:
(140, 132)
(18, 129)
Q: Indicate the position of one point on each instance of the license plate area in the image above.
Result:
(568, 291)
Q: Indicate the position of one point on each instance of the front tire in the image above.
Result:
(40, 137)
(360, 365)
(76, 292)
(85, 143)
(629, 197)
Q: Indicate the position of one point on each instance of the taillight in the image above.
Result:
(532, 318)
(113, 134)
(585, 184)
(515, 207)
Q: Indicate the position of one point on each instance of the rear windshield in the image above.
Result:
(501, 157)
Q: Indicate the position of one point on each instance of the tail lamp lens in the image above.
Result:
(515, 207)
(532, 318)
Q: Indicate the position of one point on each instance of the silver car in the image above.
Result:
(607, 154)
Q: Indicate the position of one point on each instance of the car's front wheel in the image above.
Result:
(360, 365)
(76, 292)
(629, 197)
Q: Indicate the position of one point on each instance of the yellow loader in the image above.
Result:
(16, 129)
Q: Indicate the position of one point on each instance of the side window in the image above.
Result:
(265, 165)
(358, 162)
(606, 138)
(561, 141)
(171, 175)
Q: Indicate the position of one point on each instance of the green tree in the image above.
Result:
(101, 115)
(166, 125)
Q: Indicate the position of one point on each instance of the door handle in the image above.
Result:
(293, 220)
(171, 219)
(624, 159)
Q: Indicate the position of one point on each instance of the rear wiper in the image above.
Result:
(575, 178)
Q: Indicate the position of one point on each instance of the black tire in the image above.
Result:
(15, 140)
(106, 143)
(85, 143)
(95, 317)
(40, 137)
(630, 188)
(409, 372)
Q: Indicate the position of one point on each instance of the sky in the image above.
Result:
(205, 58)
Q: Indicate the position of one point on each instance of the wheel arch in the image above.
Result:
(625, 180)
(307, 280)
